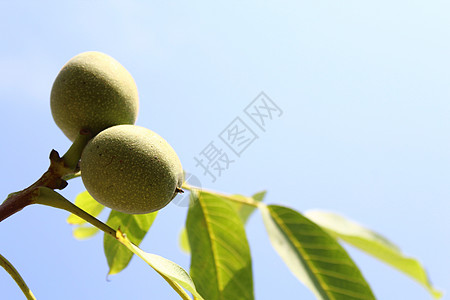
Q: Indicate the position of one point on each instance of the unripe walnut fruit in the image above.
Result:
(93, 91)
(131, 169)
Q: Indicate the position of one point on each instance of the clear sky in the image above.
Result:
(365, 92)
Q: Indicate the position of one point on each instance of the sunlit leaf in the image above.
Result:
(221, 264)
(244, 211)
(176, 276)
(88, 204)
(183, 241)
(373, 244)
(17, 278)
(314, 256)
(135, 227)
(84, 232)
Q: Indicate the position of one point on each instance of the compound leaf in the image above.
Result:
(88, 204)
(244, 211)
(84, 232)
(183, 241)
(221, 264)
(175, 275)
(373, 244)
(17, 278)
(314, 256)
(135, 227)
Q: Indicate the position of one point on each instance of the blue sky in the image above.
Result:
(364, 88)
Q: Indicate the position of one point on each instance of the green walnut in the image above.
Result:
(93, 91)
(131, 169)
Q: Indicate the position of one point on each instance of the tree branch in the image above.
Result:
(59, 168)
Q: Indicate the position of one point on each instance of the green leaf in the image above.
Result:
(135, 227)
(84, 232)
(17, 278)
(221, 264)
(183, 241)
(175, 275)
(313, 256)
(88, 204)
(373, 244)
(244, 212)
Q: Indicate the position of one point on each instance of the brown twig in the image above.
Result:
(52, 178)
